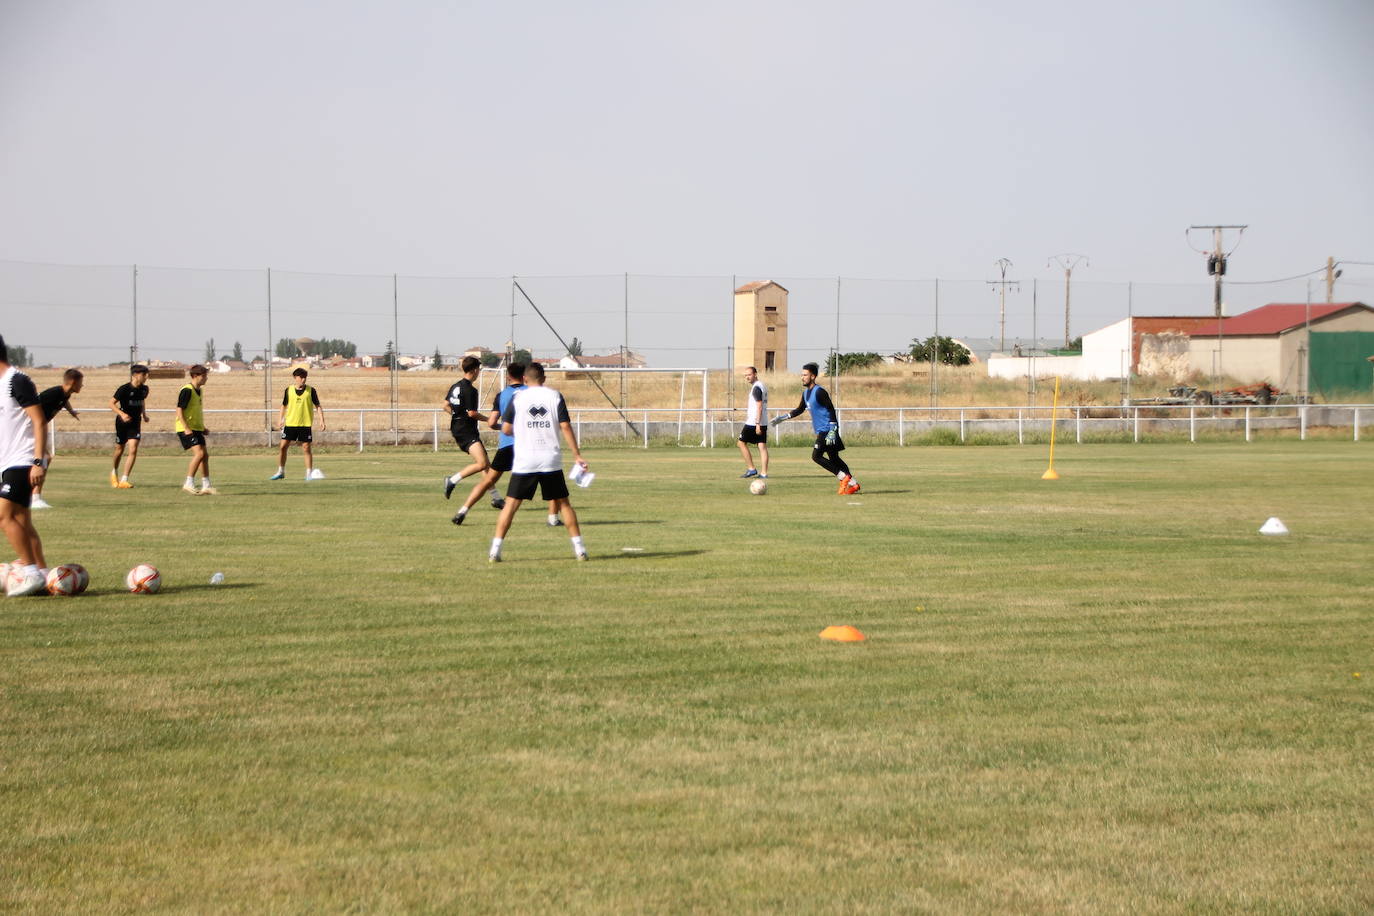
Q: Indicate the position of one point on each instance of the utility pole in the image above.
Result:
(1331, 274)
(1068, 262)
(1216, 267)
(1002, 284)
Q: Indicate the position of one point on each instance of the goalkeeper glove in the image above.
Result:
(831, 436)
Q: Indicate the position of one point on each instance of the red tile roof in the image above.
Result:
(1274, 318)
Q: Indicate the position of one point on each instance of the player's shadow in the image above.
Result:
(867, 492)
(651, 554)
(206, 586)
(621, 521)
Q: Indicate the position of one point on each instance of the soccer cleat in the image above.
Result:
(280, 475)
(39, 502)
(30, 584)
(124, 485)
(207, 491)
(498, 502)
(555, 522)
(190, 488)
(852, 488)
(448, 487)
(581, 557)
(752, 472)
(494, 558)
(844, 482)
(315, 474)
(114, 479)
(458, 519)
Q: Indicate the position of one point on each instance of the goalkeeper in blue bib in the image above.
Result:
(826, 451)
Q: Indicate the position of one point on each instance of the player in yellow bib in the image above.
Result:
(296, 421)
(191, 431)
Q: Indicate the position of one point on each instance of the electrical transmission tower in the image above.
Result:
(1002, 284)
(1068, 262)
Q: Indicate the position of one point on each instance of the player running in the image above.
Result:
(825, 423)
(53, 400)
(534, 417)
(296, 421)
(505, 445)
(23, 430)
(755, 429)
(461, 404)
(129, 406)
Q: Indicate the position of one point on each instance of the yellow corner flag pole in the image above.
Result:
(1052, 474)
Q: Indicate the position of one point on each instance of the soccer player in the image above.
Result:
(534, 418)
(461, 404)
(296, 421)
(52, 400)
(505, 445)
(130, 411)
(826, 451)
(191, 431)
(23, 430)
(755, 425)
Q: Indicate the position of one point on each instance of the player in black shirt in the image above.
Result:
(129, 404)
(53, 400)
(461, 404)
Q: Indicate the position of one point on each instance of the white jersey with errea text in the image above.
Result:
(534, 414)
(17, 391)
(757, 414)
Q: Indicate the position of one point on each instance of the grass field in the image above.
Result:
(1103, 693)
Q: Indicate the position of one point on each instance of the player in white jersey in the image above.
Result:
(755, 429)
(535, 416)
(23, 433)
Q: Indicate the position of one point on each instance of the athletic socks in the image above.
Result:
(205, 483)
(461, 512)
(578, 549)
(495, 547)
(190, 482)
(456, 478)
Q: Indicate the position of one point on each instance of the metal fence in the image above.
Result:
(698, 428)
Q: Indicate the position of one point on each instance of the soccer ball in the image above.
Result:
(62, 580)
(758, 487)
(83, 578)
(143, 579)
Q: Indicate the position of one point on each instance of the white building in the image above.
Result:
(1107, 354)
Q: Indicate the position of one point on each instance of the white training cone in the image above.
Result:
(1273, 526)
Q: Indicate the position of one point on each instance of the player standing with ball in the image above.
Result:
(23, 430)
(755, 429)
(535, 416)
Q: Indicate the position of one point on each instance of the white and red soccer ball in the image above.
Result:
(143, 579)
(64, 580)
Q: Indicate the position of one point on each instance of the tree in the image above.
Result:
(19, 356)
(238, 351)
(491, 360)
(389, 357)
(521, 356)
(838, 363)
(574, 348)
(210, 350)
(945, 349)
(286, 348)
(438, 361)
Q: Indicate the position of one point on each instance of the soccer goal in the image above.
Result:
(642, 403)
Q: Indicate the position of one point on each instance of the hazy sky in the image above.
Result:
(743, 138)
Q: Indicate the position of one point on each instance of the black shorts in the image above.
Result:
(821, 446)
(296, 433)
(504, 459)
(465, 436)
(191, 440)
(15, 486)
(750, 435)
(126, 431)
(552, 485)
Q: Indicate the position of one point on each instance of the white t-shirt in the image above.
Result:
(534, 414)
(16, 429)
(757, 414)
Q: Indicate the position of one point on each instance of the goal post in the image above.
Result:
(643, 393)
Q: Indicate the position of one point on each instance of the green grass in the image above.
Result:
(1103, 693)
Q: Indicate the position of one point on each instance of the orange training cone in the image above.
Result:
(842, 634)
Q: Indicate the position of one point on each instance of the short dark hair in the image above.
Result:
(4, 351)
(470, 363)
(197, 371)
(535, 371)
(812, 368)
(138, 367)
(300, 370)
(516, 371)
(73, 375)
(753, 369)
